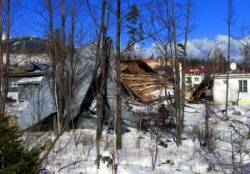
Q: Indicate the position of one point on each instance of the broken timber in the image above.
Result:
(141, 81)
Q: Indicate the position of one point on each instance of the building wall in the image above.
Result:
(20, 92)
(13, 95)
(13, 88)
(12, 84)
(157, 62)
(219, 91)
(195, 80)
(26, 92)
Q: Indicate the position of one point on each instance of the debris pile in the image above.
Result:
(203, 91)
(142, 82)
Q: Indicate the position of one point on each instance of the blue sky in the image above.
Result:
(208, 18)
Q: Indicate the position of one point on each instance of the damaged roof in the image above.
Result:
(33, 69)
(142, 82)
(30, 80)
(37, 66)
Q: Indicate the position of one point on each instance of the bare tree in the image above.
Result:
(59, 80)
(178, 94)
(51, 50)
(117, 122)
(2, 102)
(169, 48)
(71, 65)
(7, 50)
(101, 93)
(118, 83)
(187, 31)
(4, 66)
(51, 53)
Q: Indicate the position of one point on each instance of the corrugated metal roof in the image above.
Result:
(30, 80)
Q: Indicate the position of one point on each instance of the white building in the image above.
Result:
(238, 91)
(21, 89)
(193, 80)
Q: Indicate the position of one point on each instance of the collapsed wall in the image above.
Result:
(155, 91)
(42, 103)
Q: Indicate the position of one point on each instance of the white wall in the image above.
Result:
(39, 107)
(193, 79)
(13, 95)
(219, 89)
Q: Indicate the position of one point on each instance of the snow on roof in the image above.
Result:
(223, 76)
(30, 80)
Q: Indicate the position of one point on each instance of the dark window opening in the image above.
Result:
(242, 85)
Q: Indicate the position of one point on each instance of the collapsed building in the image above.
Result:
(143, 91)
(203, 90)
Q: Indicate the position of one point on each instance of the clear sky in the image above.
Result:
(208, 18)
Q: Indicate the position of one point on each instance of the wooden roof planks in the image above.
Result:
(141, 81)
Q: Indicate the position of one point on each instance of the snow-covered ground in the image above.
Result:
(75, 151)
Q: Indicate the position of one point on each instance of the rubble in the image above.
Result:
(139, 82)
(202, 91)
(143, 83)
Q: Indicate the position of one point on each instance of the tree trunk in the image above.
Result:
(6, 69)
(101, 93)
(207, 124)
(2, 103)
(70, 70)
(118, 83)
(59, 80)
(177, 78)
(52, 54)
(183, 66)
(117, 103)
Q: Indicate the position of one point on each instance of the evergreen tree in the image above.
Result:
(14, 159)
(134, 27)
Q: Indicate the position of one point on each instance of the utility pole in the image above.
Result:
(229, 23)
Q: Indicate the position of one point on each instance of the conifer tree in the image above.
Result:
(14, 159)
(134, 27)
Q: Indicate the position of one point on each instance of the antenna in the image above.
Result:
(233, 66)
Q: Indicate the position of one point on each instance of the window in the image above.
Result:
(242, 85)
(196, 79)
(188, 79)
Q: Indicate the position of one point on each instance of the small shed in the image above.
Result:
(238, 90)
(25, 77)
(27, 87)
(194, 80)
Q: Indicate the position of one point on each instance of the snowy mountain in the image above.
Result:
(28, 45)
